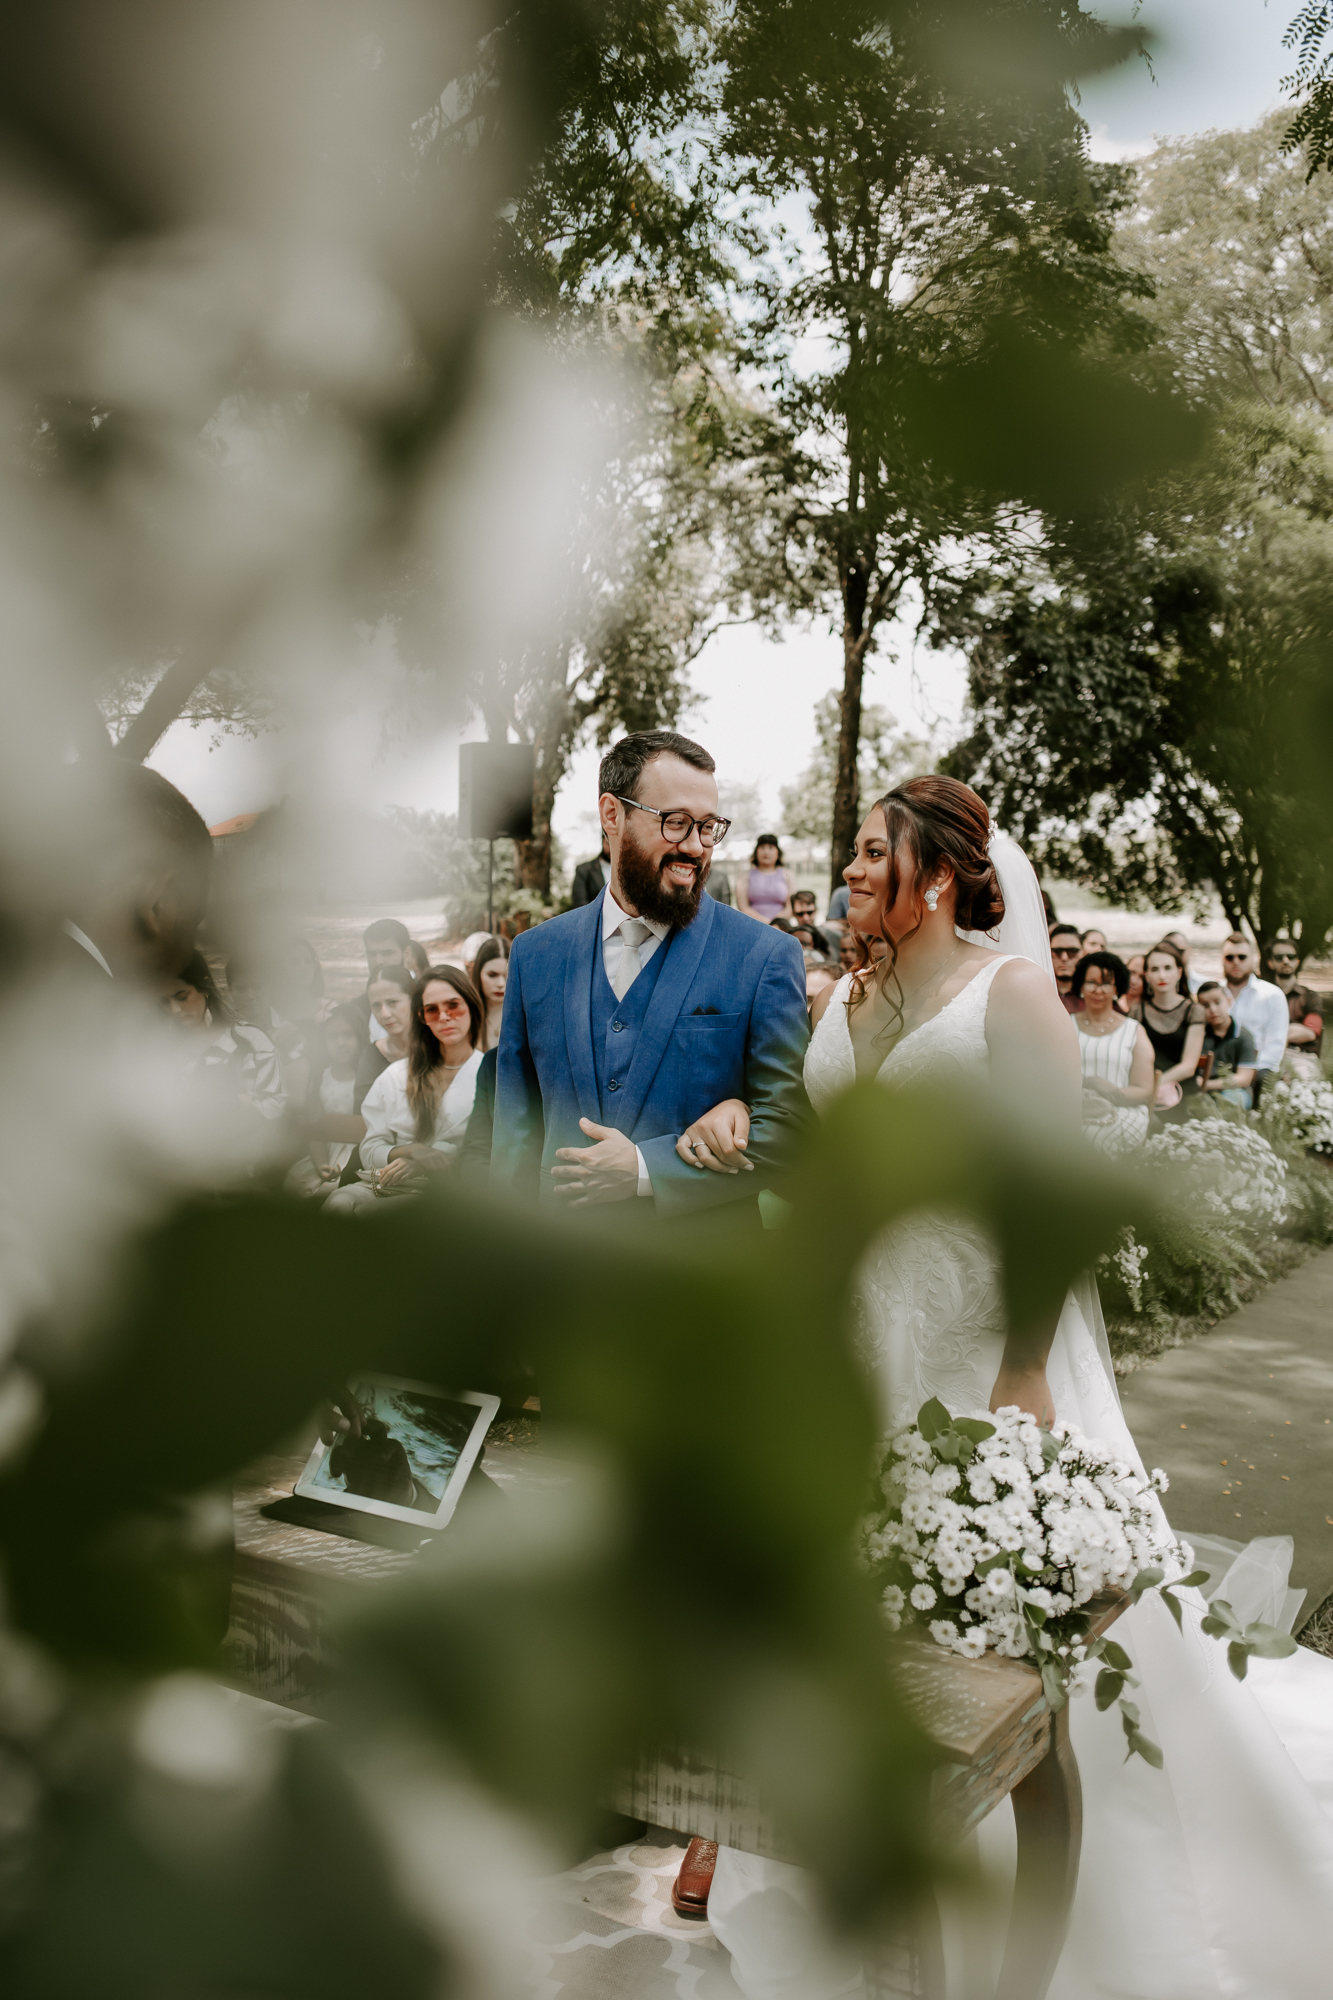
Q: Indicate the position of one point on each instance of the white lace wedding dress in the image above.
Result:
(1211, 1879)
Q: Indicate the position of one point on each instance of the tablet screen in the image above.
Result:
(408, 1452)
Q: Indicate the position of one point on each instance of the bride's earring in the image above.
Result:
(932, 899)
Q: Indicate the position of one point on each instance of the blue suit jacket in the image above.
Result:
(751, 1046)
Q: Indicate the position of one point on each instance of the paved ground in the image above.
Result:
(1242, 1420)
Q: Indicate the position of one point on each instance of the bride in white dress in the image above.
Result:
(1213, 1878)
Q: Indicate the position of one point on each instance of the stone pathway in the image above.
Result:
(607, 1930)
(1242, 1421)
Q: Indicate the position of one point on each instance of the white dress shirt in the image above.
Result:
(1262, 1008)
(612, 918)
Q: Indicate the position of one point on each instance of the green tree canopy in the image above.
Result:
(945, 217)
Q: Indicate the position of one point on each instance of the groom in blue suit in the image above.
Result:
(630, 1020)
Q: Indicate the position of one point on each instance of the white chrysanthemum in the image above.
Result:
(923, 1597)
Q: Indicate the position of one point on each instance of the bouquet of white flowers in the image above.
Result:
(1299, 1111)
(997, 1535)
(1231, 1172)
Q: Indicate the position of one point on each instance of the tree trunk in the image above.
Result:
(163, 707)
(847, 782)
(534, 856)
(553, 731)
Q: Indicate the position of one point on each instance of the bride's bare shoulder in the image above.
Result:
(1023, 1000)
(819, 1006)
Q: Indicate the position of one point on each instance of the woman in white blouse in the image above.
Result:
(1116, 1053)
(240, 1057)
(416, 1113)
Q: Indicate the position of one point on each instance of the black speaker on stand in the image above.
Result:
(494, 800)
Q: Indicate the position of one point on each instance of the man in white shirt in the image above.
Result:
(1256, 1004)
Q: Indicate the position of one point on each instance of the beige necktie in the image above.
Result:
(632, 932)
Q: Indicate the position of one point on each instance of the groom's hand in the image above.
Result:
(608, 1171)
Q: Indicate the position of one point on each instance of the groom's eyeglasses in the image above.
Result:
(678, 826)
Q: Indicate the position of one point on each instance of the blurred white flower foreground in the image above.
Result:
(262, 430)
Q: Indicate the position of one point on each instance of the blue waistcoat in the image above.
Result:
(616, 1026)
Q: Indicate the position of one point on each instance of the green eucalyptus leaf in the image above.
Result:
(1108, 1688)
(1238, 1658)
(975, 1428)
(933, 1420)
(1054, 1689)
(1143, 1746)
(1172, 1604)
(1116, 1656)
(1267, 1642)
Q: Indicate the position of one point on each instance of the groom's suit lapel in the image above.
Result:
(683, 953)
(585, 941)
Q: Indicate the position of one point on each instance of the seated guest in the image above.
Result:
(385, 943)
(1230, 1046)
(239, 1056)
(332, 1122)
(415, 957)
(849, 951)
(1066, 951)
(489, 972)
(1257, 1004)
(1116, 1054)
(839, 904)
(1305, 1009)
(1135, 993)
(417, 1112)
(389, 998)
(827, 938)
(1094, 940)
(763, 890)
(1182, 944)
(250, 993)
(1175, 1024)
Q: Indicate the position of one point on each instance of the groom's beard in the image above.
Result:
(648, 890)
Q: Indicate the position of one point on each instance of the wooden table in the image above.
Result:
(988, 1716)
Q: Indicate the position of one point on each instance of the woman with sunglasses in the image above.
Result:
(416, 1113)
(1305, 1012)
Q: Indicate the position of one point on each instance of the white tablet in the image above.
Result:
(409, 1451)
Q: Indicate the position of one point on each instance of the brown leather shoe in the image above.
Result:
(689, 1895)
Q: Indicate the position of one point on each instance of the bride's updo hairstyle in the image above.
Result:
(933, 821)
